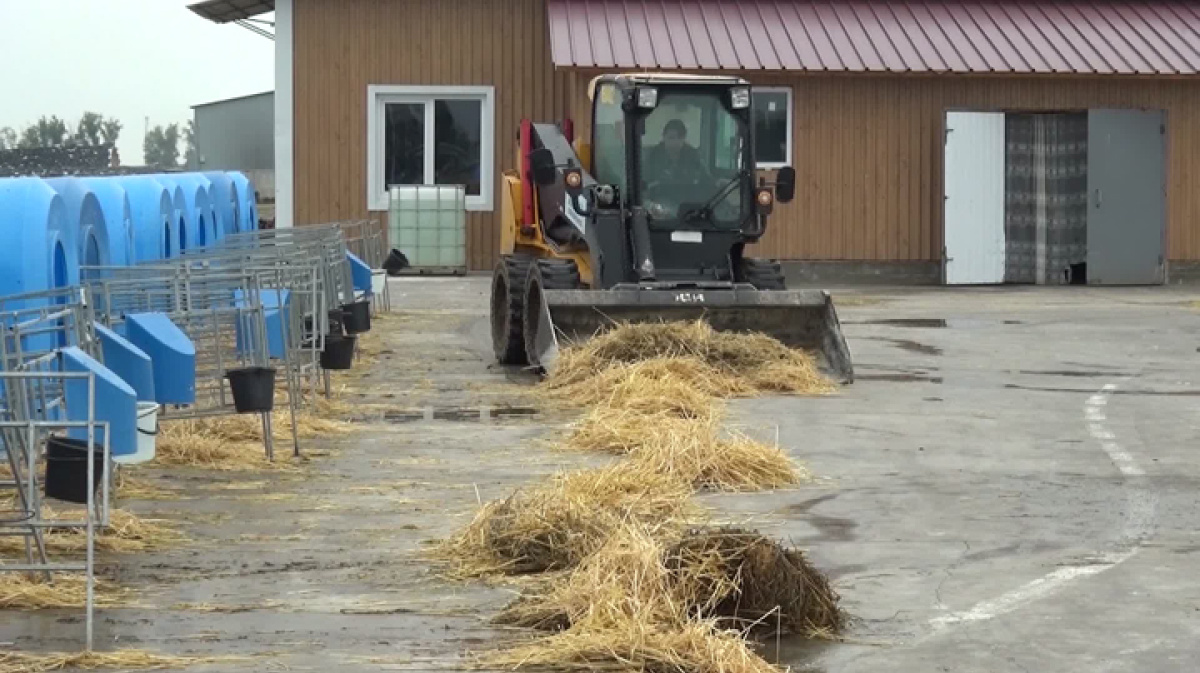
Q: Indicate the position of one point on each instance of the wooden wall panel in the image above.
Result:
(868, 149)
(343, 47)
(868, 157)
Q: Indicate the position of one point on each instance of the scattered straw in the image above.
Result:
(557, 524)
(127, 660)
(126, 533)
(135, 487)
(235, 442)
(30, 591)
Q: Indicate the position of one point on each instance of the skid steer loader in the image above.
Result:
(647, 222)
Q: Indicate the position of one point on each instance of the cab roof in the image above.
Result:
(657, 79)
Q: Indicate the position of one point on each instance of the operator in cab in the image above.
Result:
(673, 160)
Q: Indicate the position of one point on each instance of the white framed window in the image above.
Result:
(772, 126)
(431, 135)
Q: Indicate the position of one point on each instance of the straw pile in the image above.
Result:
(696, 450)
(739, 580)
(124, 660)
(556, 524)
(675, 604)
(127, 533)
(641, 591)
(722, 364)
(22, 591)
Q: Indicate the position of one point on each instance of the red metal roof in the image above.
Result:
(1143, 37)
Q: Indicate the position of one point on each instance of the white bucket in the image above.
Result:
(378, 281)
(147, 434)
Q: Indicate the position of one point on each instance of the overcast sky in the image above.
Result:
(129, 59)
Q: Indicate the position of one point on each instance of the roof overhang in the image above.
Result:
(1145, 38)
(228, 11)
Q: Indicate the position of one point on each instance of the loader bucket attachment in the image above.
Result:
(803, 319)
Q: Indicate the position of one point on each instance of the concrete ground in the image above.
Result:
(1010, 485)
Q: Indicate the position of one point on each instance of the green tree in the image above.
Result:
(110, 130)
(47, 132)
(161, 146)
(87, 132)
(189, 140)
(94, 130)
(8, 138)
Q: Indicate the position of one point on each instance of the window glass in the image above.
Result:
(608, 153)
(456, 128)
(691, 154)
(404, 144)
(771, 126)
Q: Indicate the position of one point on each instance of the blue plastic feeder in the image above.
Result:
(172, 356)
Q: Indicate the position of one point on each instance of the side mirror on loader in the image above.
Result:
(785, 185)
(541, 161)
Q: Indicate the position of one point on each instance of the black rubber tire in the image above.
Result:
(559, 274)
(544, 274)
(508, 308)
(763, 274)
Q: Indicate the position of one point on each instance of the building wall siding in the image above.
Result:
(868, 149)
(343, 47)
(236, 135)
(868, 156)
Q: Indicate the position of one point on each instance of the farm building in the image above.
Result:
(986, 142)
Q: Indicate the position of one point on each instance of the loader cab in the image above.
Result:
(681, 148)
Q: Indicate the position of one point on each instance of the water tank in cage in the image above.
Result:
(428, 223)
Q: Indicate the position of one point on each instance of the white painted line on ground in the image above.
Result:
(1039, 588)
(1139, 523)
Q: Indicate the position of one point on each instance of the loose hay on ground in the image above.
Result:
(126, 533)
(740, 580)
(556, 524)
(698, 450)
(126, 660)
(21, 591)
(652, 603)
(235, 442)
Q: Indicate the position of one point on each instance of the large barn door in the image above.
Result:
(974, 203)
(1126, 197)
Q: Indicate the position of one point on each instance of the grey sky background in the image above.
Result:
(128, 59)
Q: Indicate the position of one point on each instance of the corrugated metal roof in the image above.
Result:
(1135, 37)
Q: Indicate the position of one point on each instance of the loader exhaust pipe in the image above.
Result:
(804, 319)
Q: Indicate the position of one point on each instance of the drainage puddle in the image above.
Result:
(899, 378)
(919, 323)
(482, 414)
(909, 345)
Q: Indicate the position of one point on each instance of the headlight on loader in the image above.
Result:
(739, 98)
(647, 98)
(765, 200)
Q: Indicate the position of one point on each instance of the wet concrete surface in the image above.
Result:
(1019, 495)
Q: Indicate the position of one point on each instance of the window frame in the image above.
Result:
(791, 124)
(380, 95)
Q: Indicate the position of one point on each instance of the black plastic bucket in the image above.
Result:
(253, 389)
(339, 353)
(66, 469)
(358, 316)
(395, 263)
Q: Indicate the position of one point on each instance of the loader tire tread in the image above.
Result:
(508, 308)
(544, 274)
(763, 274)
(559, 274)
